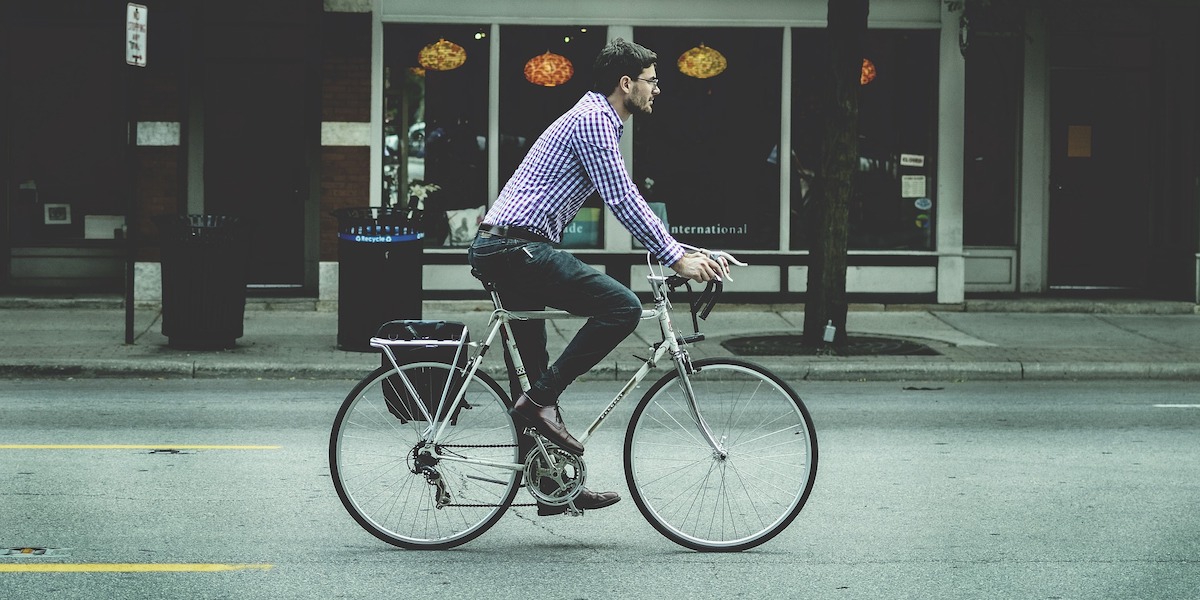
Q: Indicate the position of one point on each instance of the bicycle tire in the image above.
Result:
(706, 502)
(372, 460)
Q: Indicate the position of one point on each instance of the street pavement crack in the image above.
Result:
(156, 318)
(938, 316)
(1137, 333)
(538, 522)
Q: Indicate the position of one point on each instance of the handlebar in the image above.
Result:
(721, 257)
(703, 304)
(700, 305)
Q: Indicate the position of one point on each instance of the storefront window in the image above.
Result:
(535, 89)
(435, 126)
(709, 152)
(894, 203)
(64, 134)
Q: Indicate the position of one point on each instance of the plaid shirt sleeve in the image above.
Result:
(596, 142)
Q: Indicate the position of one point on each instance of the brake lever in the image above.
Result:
(675, 281)
(717, 255)
(707, 300)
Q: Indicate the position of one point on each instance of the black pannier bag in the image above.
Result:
(445, 340)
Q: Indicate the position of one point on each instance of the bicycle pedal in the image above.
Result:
(551, 511)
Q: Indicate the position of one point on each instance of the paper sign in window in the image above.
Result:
(912, 186)
(1079, 141)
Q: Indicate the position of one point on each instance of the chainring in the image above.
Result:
(558, 482)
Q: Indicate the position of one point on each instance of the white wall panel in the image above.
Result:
(158, 133)
(745, 279)
(875, 280)
(338, 133)
(991, 270)
(456, 277)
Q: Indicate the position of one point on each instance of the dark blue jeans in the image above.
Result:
(536, 275)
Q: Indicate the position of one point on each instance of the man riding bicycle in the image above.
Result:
(577, 155)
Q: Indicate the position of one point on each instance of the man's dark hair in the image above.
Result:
(618, 59)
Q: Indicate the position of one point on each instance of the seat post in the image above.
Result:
(490, 287)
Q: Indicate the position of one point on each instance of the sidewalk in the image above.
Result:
(982, 340)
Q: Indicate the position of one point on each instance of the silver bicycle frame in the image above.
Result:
(499, 323)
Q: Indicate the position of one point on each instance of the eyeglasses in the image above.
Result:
(653, 81)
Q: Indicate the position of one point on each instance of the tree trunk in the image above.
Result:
(825, 300)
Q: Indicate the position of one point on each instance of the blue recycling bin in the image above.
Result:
(380, 262)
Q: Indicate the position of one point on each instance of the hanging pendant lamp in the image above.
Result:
(549, 69)
(702, 62)
(868, 72)
(442, 56)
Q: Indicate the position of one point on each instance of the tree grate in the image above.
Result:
(792, 345)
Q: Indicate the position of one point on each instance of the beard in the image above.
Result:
(637, 106)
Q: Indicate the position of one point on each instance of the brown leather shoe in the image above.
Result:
(586, 500)
(547, 421)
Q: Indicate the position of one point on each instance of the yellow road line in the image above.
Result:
(129, 567)
(132, 447)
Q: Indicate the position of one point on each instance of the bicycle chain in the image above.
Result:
(486, 505)
(482, 446)
(477, 445)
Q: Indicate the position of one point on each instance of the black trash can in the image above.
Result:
(203, 280)
(379, 271)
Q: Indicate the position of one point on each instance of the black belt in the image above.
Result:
(513, 232)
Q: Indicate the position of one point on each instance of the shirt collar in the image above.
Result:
(600, 100)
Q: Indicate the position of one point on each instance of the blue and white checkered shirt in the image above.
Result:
(576, 155)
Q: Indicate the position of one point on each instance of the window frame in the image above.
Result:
(616, 240)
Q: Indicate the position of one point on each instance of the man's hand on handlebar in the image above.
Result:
(699, 266)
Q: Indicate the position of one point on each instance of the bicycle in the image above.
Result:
(720, 454)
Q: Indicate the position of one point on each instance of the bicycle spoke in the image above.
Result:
(740, 497)
(385, 470)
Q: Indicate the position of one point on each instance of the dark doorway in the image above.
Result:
(261, 127)
(255, 161)
(1101, 192)
(1104, 131)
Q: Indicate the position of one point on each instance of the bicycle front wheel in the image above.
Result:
(735, 497)
(383, 472)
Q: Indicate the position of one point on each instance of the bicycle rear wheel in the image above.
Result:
(384, 480)
(705, 501)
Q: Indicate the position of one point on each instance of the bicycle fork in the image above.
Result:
(685, 370)
(685, 383)
(683, 366)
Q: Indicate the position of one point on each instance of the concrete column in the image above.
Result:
(616, 237)
(951, 269)
(1034, 202)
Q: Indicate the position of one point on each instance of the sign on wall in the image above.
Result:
(135, 35)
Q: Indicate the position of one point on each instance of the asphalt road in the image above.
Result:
(968, 490)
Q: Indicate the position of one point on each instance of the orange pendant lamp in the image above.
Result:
(549, 69)
(702, 62)
(868, 72)
(442, 56)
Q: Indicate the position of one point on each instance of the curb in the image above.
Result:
(792, 372)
